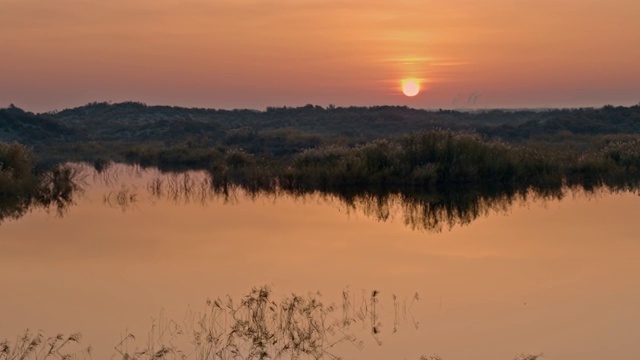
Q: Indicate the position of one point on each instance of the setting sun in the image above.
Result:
(314, 166)
(410, 88)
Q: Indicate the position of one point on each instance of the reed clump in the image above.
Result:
(23, 187)
(37, 346)
(256, 326)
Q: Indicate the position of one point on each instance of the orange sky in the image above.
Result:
(253, 54)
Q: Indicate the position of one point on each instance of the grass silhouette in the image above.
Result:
(255, 326)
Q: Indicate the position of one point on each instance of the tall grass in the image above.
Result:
(23, 187)
(16, 170)
(255, 326)
(37, 346)
(442, 177)
(428, 161)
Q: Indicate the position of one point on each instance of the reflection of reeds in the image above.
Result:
(528, 357)
(420, 210)
(124, 199)
(21, 192)
(111, 174)
(423, 209)
(156, 186)
(182, 187)
(59, 186)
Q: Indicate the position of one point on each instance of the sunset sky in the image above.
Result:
(253, 54)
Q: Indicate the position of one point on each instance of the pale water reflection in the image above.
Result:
(430, 211)
(555, 276)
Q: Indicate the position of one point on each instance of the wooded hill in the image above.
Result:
(350, 152)
(286, 131)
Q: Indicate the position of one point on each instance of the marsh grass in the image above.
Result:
(36, 346)
(430, 210)
(420, 210)
(258, 326)
(23, 187)
(528, 357)
(443, 178)
(255, 326)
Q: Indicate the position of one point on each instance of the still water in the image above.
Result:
(558, 277)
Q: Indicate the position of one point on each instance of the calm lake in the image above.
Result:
(558, 277)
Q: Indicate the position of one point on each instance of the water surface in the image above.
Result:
(555, 276)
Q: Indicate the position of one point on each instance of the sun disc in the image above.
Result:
(410, 88)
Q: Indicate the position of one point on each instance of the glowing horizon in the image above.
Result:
(254, 54)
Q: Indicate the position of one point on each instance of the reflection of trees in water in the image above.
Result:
(51, 190)
(421, 210)
(434, 211)
(431, 210)
(24, 186)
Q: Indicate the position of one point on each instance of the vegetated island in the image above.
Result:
(346, 151)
